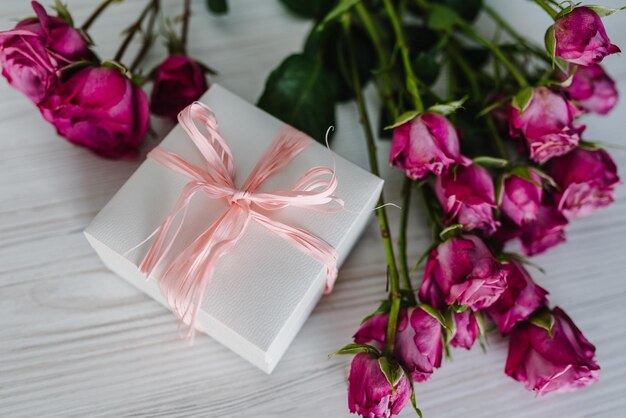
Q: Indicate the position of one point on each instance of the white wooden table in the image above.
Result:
(76, 341)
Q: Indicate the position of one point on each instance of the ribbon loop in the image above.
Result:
(184, 281)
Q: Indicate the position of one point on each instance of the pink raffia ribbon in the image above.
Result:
(185, 279)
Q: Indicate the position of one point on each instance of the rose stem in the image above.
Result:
(392, 269)
(148, 39)
(92, 18)
(132, 30)
(404, 218)
(385, 81)
(185, 27)
(411, 79)
(545, 6)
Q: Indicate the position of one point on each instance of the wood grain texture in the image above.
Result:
(76, 341)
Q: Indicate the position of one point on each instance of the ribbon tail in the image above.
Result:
(156, 253)
(306, 242)
(185, 281)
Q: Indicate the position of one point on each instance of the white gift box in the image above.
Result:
(262, 292)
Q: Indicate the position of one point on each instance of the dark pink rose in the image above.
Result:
(546, 231)
(521, 298)
(593, 90)
(581, 38)
(178, 81)
(521, 199)
(587, 180)
(418, 345)
(462, 270)
(99, 108)
(428, 143)
(466, 329)
(562, 362)
(547, 125)
(370, 394)
(32, 53)
(467, 194)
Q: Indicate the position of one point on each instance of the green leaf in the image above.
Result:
(435, 313)
(506, 256)
(487, 161)
(523, 172)
(589, 145)
(383, 308)
(522, 99)
(493, 106)
(603, 11)
(424, 256)
(218, 7)
(342, 7)
(312, 9)
(550, 40)
(117, 66)
(467, 9)
(499, 183)
(63, 13)
(301, 93)
(543, 318)
(448, 108)
(356, 349)
(426, 67)
(451, 231)
(458, 308)
(403, 118)
(413, 402)
(392, 371)
(441, 18)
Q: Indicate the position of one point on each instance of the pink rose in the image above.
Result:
(587, 180)
(462, 270)
(178, 81)
(546, 231)
(428, 143)
(370, 394)
(562, 362)
(466, 329)
(547, 125)
(418, 345)
(581, 38)
(99, 108)
(521, 298)
(467, 194)
(32, 53)
(593, 90)
(521, 199)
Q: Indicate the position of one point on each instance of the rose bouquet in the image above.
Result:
(496, 150)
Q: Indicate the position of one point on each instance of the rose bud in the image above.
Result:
(466, 329)
(99, 108)
(545, 232)
(521, 198)
(521, 298)
(587, 180)
(369, 392)
(428, 143)
(32, 53)
(561, 362)
(418, 345)
(467, 194)
(547, 125)
(178, 81)
(593, 90)
(463, 270)
(581, 38)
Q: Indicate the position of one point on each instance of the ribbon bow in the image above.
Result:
(184, 280)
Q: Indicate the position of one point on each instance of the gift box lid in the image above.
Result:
(262, 291)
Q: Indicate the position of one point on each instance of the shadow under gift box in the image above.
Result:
(262, 292)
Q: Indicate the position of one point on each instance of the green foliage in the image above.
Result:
(356, 349)
(301, 93)
(217, 7)
(392, 371)
(543, 318)
(467, 9)
(313, 9)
